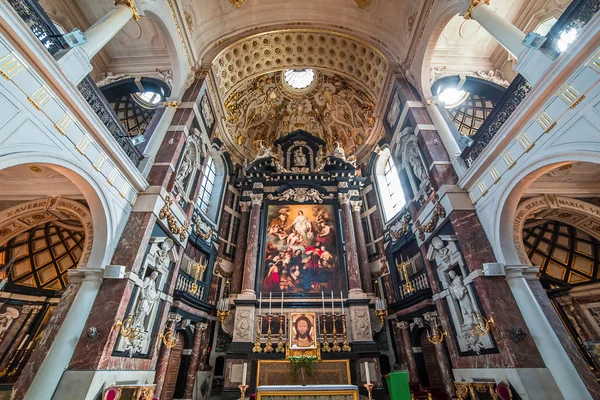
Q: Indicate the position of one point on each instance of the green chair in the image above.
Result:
(398, 387)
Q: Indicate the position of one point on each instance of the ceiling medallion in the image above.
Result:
(363, 3)
(35, 168)
(237, 3)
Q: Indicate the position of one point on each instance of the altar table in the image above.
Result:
(308, 392)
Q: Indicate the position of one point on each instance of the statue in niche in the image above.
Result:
(299, 158)
(7, 319)
(417, 165)
(443, 255)
(148, 295)
(459, 292)
(186, 167)
(162, 254)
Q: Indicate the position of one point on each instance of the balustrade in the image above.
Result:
(570, 23)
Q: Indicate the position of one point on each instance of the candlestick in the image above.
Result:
(323, 299)
(332, 307)
(345, 344)
(281, 304)
(342, 300)
(243, 389)
(280, 347)
(244, 373)
(269, 343)
(325, 345)
(260, 304)
(367, 373)
(270, 302)
(336, 347)
(369, 387)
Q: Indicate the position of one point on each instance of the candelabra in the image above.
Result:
(345, 344)
(280, 347)
(269, 343)
(336, 347)
(257, 348)
(198, 269)
(381, 309)
(168, 341)
(482, 325)
(325, 345)
(243, 389)
(127, 329)
(369, 387)
(223, 310)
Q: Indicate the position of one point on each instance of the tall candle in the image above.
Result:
(270, 302)
(260, 304)
(323, 299)
(332, 306)
(244, 374)
(342, 300)
(281, 303)
(367, 372)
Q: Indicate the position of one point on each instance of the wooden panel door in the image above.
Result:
(431, 363)
(172, 370)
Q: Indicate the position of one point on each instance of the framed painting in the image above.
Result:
(300, 249)
(303, 332)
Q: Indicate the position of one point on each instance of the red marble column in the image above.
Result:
(350, 244)
(240, 251)
(163, 361)
(445, 368)
(251, 259)
(361, 245)
(410, 358)
(200, 339)
(401, 357)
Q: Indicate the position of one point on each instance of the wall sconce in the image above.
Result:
(437, 334)
(198, 269)
(381, 309)
(482, 325)
(223, 310)
(126, 328)
(168, 341)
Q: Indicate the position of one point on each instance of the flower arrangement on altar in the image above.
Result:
(306, 363)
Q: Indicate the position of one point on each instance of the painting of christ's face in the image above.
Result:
(303, 335)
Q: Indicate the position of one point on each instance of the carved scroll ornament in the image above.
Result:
(174, 227)
(438, 212)
(404, 225)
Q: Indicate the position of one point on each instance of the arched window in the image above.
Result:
(390, 189)
(207, 184)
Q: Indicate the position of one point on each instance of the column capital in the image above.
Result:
(245, 206)
(132, 7)
(356, 205)
(402, 325)
(474, 3)
(344, 198)
(256, 198)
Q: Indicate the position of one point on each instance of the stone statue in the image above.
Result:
(7, 319)
(417, 165)
(443, 255)
(263, 151)
(162, 254)
(148, 295)
(186, 167)
(299, 158)
(338, 150)
(459, 292)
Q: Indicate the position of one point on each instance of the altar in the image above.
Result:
(308, 392)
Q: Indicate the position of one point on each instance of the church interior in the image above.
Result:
(300, 200)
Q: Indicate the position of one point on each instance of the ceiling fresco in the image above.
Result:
(333, 108)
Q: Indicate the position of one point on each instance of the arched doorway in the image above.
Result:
(172, 373)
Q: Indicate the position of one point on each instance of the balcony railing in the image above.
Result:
(184, 284)
(40, 24)
(94, 97)
(507, 104)
(579, 13)
(418, 282)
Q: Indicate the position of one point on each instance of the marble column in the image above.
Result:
(361, 245)
(57, 353)
(99, 34)
(163, 360)
(508, 35)
(350, 242)
(445, 368)
(200, 334)
(240, 251)
(448, 139)
(251, 259)
(554, 355)
(410, 358)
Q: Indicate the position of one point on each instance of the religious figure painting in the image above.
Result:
(301, 254)
(303, 333)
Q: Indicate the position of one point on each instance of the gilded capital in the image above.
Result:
(245, 206)
(356, 205)
(344, 198)
(256, 198)
(402, 325)
(475, 3)
(131, 5)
